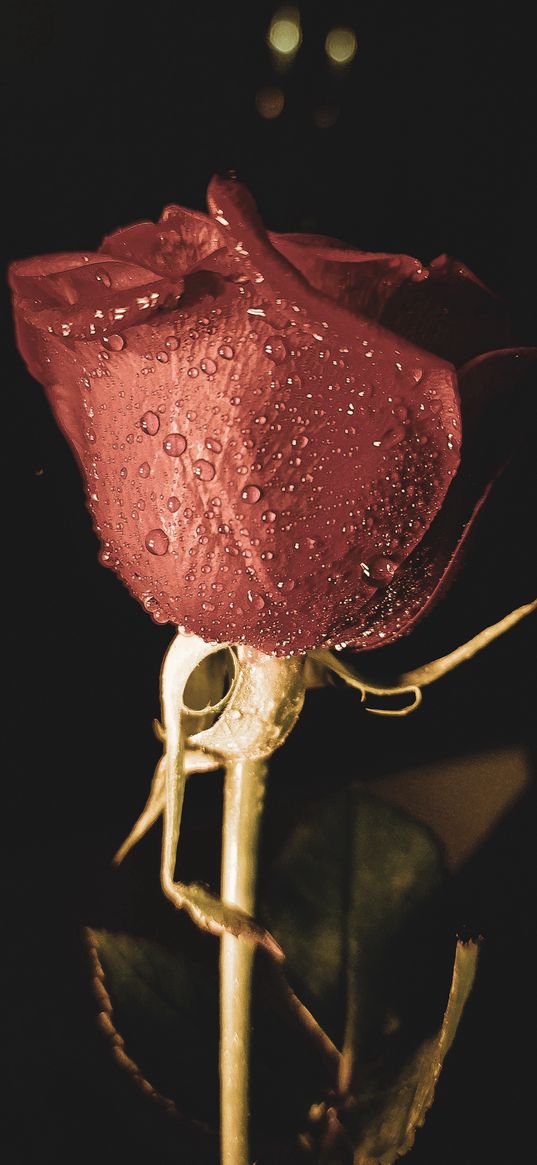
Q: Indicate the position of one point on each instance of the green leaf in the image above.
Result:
(354, 902)
(163, 1010)
(388, 1122)
(352, 879)
(354, 898)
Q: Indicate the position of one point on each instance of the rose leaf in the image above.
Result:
(391, 1120)
(162, 1014)
(355, 899)
(159, 1011)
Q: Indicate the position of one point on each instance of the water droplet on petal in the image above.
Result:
(213, 445)
(163, 357)
(150, 423)
(208, 366)
(171, 342)
(115, 342)
(173, 504)
(251, 494)
(226, 352)
(143, 469)
(104, 278)
(157, 542)
(257, 601)
(275, 348)
(174, 444)
(382, 570)
(268, 516)
(300, 442)
(204, 470)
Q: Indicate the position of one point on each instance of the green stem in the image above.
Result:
(243, 804)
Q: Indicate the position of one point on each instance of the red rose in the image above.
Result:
(269, 457)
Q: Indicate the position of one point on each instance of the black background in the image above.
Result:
(108, 116)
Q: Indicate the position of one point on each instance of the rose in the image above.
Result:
(269, 456)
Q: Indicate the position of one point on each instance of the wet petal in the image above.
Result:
(84, 300)
(265, 464)
(176, 245)
(231, 466)
(450, 312)
(264, 470)
(444, 308)
(496, 388)
(358, 280)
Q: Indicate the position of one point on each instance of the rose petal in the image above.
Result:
(64, 398)
(358, 280)
(262, 462)
(444, 308)
(248, 483)
(206, 551)
(58, 263)
(499, 381)
(176, 245)
(273, 485)
(451, 313)
(100, 295)
(357, 341)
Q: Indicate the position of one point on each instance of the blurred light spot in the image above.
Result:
(285, 34)
(340, 45)
(269, 102)
(325, 116)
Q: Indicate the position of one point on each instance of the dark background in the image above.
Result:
(108, 116)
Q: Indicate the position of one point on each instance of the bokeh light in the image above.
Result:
(269, 102)
(284, 33)
(340, 45)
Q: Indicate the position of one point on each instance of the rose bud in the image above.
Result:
(269, 426)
